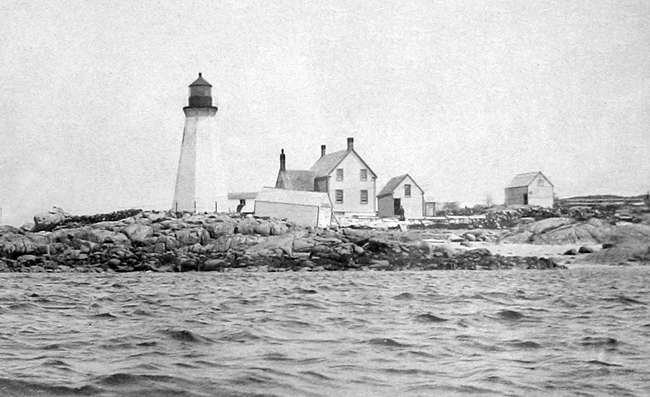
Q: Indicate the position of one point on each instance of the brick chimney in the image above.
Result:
(283, 161)
(350, 143)
(322, 150)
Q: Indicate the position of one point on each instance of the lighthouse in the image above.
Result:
(200, 181)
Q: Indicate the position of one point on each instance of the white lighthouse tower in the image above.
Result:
(201, 178)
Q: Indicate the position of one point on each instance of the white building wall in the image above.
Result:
(352, 186)
(413, 205)
(201, 177)
(540, 192)
(303, 215)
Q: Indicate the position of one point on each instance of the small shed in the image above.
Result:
(304, 208)
(531, 188)
(401, 191)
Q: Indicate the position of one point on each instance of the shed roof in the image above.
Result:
(525, 179)
(200, 81)
(326, 164)
(300, 197)
(297, 179)
(394, 182)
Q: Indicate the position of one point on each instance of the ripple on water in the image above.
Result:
(306, 291)
(598, 362)
(388, 342)
(19, 388)
(184, 335)
(429, 318)
(404, 296)
(510, 315)
(527, 344)
(105, 315)
(624, 300)
(240, 336)
(56, 363)
(599, 341)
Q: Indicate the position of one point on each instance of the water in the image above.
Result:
(579, 332)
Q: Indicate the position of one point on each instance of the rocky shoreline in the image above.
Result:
(160, 242)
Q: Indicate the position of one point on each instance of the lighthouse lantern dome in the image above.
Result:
(200, 93)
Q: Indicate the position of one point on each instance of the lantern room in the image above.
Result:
(200, 93)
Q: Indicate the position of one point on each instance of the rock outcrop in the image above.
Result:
(621, 241)
(155, 241)
(49, 220)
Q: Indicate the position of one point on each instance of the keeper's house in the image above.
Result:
(532, 188)
(343, 175)
(401, 191)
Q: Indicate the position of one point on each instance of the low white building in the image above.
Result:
(301, 207)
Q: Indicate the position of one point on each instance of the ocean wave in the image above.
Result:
(22, 388)
(184, 335)
(429, 318)
(388, 342)
(510, 315)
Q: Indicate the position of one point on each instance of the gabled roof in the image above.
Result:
(393, 183)
(296, 180)
(326, 164)
(200, 81)
(319, 199)
(523, 180)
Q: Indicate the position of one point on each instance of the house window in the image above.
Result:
(540, 182)
(364, 197)
(407, 190)
(339, 174)
(339, 196)
(364, 174)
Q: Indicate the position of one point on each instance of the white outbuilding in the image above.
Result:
(531, 188)
(301, 207)
(401, 193)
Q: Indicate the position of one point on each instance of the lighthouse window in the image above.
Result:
(200, 91)
(339, 174)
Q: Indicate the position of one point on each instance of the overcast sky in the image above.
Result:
(462, 95)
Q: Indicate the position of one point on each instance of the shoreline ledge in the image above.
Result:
(136, 240)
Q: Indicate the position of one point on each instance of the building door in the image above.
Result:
(525, 198)
(397, 203)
